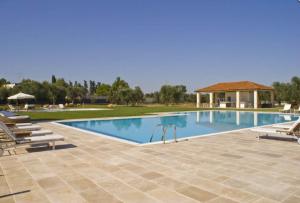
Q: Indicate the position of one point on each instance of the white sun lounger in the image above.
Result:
(52, 138)
(293, 131)
(29, 127)
(285, 125)
(286, 108)
(41, 132)
(23, 124)
(17, 117)
(4, 127)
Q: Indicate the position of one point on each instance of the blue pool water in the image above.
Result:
(188, 124)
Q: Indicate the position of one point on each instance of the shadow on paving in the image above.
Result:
(40, 148)
(288, 139)
(15, 193)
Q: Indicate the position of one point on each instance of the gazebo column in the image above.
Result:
(255, 105)
(237, 103)
(272, 98)
(198, 99)
(211, 100)
(255, 118)
(237, 117)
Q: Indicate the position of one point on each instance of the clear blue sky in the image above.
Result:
(151, 42)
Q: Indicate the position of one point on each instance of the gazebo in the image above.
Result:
(242, 94)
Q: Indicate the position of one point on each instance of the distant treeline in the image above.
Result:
(58, 90)
(288, 91)
(119, 92)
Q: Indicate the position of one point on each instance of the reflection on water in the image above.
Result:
(124, 124)
(179, 121)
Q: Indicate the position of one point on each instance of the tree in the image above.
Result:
(190, 98)
(116, 88)
(56, 92)
(85, 85)
(34, 88)
(53, 79)
(126, 96)
(103, 90)
(166, 94)
(295, 89)
(282, 92)
(92, 87)
(3, 81)
(4, 93)
(156, 97)
(179, 92)
(137, 95)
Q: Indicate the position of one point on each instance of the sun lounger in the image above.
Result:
(8, 120)
(29, 127)
(285, 125)
(11, 107)
(286, 108)
(7, 113)
(26, 133)
(17, 119)
(23, 124)
(293, 131)
(44, 139)
(14, 126)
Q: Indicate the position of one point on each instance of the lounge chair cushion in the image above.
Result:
(45, 138)
(30, 127)
(18, 117)
(7, 113)
(266, 130)
(23, 124)
(41, 132)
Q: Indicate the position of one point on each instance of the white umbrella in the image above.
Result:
(21, 95)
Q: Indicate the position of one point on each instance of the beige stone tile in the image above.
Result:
(136, 197)
(151, 175)
(235, 183)
(98, 195)
(51, 183)
(142, 184)
(238, 195)
(165, 195)
(115, 186)
(265, 200)
(64, 194)
(221, 200)
(7, 199)
(82, 184)
(31, 197)
(197, 193)
(277, 192)
(292, 199)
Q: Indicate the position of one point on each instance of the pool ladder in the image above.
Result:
(164, 132)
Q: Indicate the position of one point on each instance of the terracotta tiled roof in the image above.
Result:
(234, 86)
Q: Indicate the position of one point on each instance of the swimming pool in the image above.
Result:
(188, 124)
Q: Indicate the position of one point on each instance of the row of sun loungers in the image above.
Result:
(19, 134)
(287, 108)
(291, 129)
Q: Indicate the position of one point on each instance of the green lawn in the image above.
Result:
(117, 111)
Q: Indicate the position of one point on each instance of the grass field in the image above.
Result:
(118, 111)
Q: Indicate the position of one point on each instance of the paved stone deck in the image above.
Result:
(232, 167)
